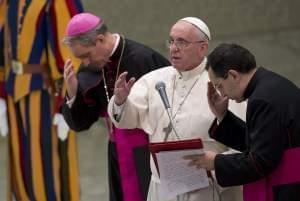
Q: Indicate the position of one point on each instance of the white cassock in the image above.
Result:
(187, 94)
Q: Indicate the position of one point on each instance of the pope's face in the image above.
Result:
(187, 49)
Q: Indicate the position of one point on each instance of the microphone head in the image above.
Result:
(160, 85)
(161, 89)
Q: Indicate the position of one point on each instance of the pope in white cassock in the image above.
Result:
(138, 104)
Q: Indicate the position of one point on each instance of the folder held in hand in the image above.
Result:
(173, 146)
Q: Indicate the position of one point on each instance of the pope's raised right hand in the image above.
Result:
(122, 88)
(70, 79)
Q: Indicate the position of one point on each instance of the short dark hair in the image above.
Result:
(230, 56)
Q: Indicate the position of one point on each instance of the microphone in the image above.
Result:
(161, 88)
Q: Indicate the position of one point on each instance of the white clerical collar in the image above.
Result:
(117, 36)
(186, 75)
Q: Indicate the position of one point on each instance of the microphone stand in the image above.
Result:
(172, 126)
(161, 88)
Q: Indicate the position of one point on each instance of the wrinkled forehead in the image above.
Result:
(185, 30)
(79, 50)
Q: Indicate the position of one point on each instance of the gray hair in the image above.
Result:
(87, 38)
(202, 35)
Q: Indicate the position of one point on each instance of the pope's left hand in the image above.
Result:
(205, 160)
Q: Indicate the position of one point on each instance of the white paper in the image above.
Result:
(176, 177)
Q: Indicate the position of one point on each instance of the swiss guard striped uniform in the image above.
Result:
(42, 168)
(2, 18)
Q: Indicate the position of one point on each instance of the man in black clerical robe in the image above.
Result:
(104, 56)
(269, 163)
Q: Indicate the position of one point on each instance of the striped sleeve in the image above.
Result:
(58, 52)
(2, 19)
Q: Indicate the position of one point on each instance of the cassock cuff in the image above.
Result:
(70, 101)
(213, 128)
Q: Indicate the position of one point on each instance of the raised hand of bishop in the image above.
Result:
(70, 78)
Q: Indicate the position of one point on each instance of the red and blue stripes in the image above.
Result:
(36, 154)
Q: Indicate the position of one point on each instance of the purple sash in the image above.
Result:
(288, 172)
(126, 140)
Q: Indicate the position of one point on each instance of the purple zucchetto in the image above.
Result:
(81, 23)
